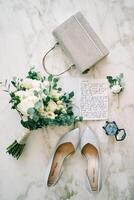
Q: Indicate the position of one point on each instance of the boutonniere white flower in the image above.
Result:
(40, 103)
(116, 84)
(116, 89)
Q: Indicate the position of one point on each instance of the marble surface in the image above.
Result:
(25, 35)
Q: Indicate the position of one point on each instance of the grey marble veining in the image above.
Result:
(25, 35)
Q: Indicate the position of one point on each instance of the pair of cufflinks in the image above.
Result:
(112, 129)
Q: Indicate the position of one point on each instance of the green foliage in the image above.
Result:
(62, 119)
(71, 94)
(33, 74)
(34, 114)
(31, 111)
(38, 104)
(54, 82)
(115, 81)
(50, 77)
(15, 149)
(35, 119)
(15, 100)
(36, 93)
(15, 82)
(46, 100)
(59, 89)
(66, 98)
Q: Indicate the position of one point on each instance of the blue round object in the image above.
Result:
(111, 128)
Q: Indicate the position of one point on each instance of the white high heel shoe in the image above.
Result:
(66, 146)
(90, 150)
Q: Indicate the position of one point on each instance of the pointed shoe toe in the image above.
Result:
(91, 152)
(65, 147)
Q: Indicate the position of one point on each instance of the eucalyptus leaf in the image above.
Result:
(55, 80)
(33, 74)
(48, 99)
(59, 89)
(38, 104)
(71, 94)
(35, 118)
(45, 91)
(31, 111)
(35, 93)
(50, 77)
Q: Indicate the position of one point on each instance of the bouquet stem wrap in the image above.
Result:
(16, 148)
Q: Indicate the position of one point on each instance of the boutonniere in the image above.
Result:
(116, 85)
(40, 103)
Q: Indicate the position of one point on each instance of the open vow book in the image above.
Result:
(91, 97)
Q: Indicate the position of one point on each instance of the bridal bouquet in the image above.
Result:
(40, 103)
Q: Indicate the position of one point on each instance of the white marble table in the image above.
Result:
(25, 34)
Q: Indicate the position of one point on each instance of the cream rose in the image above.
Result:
(116, 89)
(60, 107)
(52, 106)
(30, 83)
(64, 110)
(59, 102)
(42, 111)
(50, 115)
(55, 94)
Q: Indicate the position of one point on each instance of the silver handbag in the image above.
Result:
(80, 42)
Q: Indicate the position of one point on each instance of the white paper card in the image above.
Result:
(94, 100)
(91, 97)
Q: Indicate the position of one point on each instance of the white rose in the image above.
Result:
(116, 89)
(55, 94)
(34, 89)
(27, 103)
(36, 84)
(52, 106)
(22, 94)
(45, 84)
(30, 83)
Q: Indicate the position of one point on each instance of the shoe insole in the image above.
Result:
(61, 153)
(92, 156)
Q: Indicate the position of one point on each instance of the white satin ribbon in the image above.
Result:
(22, 139)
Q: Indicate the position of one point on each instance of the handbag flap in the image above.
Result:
(80, 41)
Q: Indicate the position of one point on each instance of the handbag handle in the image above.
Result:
(44, 60)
